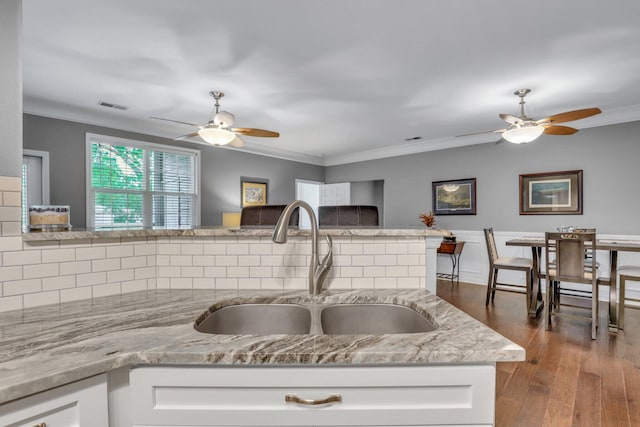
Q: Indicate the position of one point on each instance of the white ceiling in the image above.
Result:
(341, 80)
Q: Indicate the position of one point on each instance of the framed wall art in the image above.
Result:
(454, 197)
(551, 193)
(254, 193)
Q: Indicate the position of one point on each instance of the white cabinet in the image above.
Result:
(365, 396)
(83, 403)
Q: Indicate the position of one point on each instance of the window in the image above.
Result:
(138, 184)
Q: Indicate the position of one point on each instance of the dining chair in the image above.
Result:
(565, 261)
(497, 263)
(632, 274)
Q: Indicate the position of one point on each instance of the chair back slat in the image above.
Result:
(492, 250)
(565, 255)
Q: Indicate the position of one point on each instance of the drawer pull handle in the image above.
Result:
(334, 398)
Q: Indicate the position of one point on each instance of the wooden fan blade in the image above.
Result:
(559, 130)
(570, 116)
(510, 118)
(174, 121)
(256, 132)
(480, 133)
(237, 142)
(191, 135)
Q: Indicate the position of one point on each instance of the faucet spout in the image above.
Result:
(318, 270)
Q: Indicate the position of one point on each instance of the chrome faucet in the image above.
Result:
(318, 270)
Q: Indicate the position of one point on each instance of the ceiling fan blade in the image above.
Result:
(559, 130)
(570, 116)
(480, 133)
(191, 135)
(237, 142)
(256, 132)
(175, 121)
(509, 118)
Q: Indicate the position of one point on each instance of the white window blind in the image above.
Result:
(135, 184)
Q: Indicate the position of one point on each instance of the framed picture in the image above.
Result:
(454, 197)
(254, 193)
(551, 193)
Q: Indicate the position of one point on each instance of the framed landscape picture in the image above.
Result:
(254, 193)
(454, 197)
(551, 193)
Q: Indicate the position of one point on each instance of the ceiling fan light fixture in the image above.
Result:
(523, 134)
(216, 136)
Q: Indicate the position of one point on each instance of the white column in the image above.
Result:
(432, 243)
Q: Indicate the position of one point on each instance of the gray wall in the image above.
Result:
(11, 88)
(609, 156)
(220, 178)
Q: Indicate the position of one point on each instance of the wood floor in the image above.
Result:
(567, 379)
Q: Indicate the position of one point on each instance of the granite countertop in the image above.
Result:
(45, 347)
(224, 232)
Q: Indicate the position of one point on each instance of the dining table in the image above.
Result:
(613, 246)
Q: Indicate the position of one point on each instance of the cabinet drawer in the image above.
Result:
(83, 403)
(371, 396)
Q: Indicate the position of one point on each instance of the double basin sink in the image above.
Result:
(318, 319)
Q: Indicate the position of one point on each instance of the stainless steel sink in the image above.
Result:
(318, 319)
(356, 319)
(257, 319)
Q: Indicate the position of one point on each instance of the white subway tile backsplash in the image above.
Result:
(134, 285)
(204, 260)
(203, 283)
(10, 228)
(191, 249)
(11, 243)
(363, 260)
(107, 264)
(214, 272)
(385, 282)
(10, 273)
(40, 270)
(11, 303)
(17, 287)
(169, 271)
(238, 271)
(66, 270)
(181, 283)
(271, 283)
(97, 252)
(120, 275)
(226, 283)
(249, 282)
(75, 294)
(226, 261)
(21, 258)
(59, 255)
(249, 260)
(106, 290)
(144, 273)
(91, 279)
(75, 267)
(137, 261)
(121, 251)
(181, 260)
(191, 272)
(58, 282)
(41, 298)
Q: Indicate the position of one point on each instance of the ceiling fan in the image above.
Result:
(218, 131)
(523, 129)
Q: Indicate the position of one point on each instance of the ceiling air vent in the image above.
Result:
(111, 105)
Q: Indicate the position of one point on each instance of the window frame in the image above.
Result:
(92, 138)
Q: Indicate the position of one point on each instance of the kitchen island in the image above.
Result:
(47, 347)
